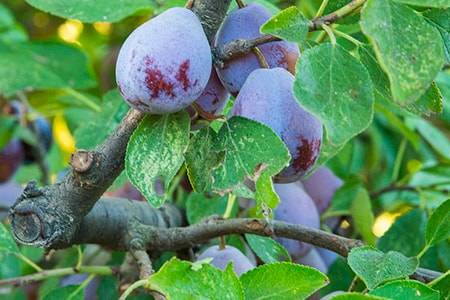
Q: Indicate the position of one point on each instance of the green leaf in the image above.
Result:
(199, 206)
(361, 210)
(267, 249)
(406, 289)
(93, 11)
(356, 296)
(7, 243)
(48, 66)
(265, 195)
(441, 284)
(440, 19)
(282, 281)
(252, 149)
(155, 153)
(336, 88)
(93, 133)
(375, 267)
(183, 280)
(438, 225)
(429, 103)
(201, 160)
(426, 3)
(405, 45)
(72, 292)
(290, 24)
(434, 136)
(406, 235)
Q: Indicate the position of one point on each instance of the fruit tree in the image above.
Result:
(225, 149)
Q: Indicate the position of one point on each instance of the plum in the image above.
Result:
(165, 63)
(298, 208)
(43, 131)
(312, 259)
(221, 258)
(267, 97)
(245, 23)
(214, 97)
(321, 186)
(11, 157)
(212, 100)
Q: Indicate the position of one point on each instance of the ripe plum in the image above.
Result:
(245, 23)
(312, 259)
(164, 64)
(298, 208)
(267, 97)
(43, 131)
(11, 156)
(321, 186)
(221, 258)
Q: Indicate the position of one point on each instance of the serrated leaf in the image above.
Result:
(406, 289)
(113, 109)
(199, 206)
(155, 153)
(201, 160)
(438, 225)
(406, 235)
(290, 24)
(251, 148)
(267, 249)
(440, 19)
(405, 45)
(72, 292)
(282, 281)
(426, 3)
(181, 280)
(361, 210)
(7, 243)
(375, 267)
(336, 88)
(93, 11)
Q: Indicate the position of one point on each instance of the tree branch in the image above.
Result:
(51, 216)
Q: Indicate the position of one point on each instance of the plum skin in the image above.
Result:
(11, 157)
(321, 185)
(245, 23)
(165, 63)
(298, 208)
(267, 97)
(221, 258)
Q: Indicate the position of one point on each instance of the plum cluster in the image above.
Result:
(16, 151)
(303, 202)
(165, 65)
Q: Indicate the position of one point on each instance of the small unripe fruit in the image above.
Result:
(164, 64)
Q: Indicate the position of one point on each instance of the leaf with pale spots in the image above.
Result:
(335, 87)
(252, 150)
(155, 153)
(407, 46)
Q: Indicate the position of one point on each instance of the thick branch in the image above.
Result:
(50, 217)
(179, 238)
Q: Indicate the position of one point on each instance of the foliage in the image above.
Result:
(376, 74)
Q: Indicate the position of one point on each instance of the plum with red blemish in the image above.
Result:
(267, 97)
(245, 23)
(165, 63)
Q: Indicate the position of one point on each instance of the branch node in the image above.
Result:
(81, 161)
